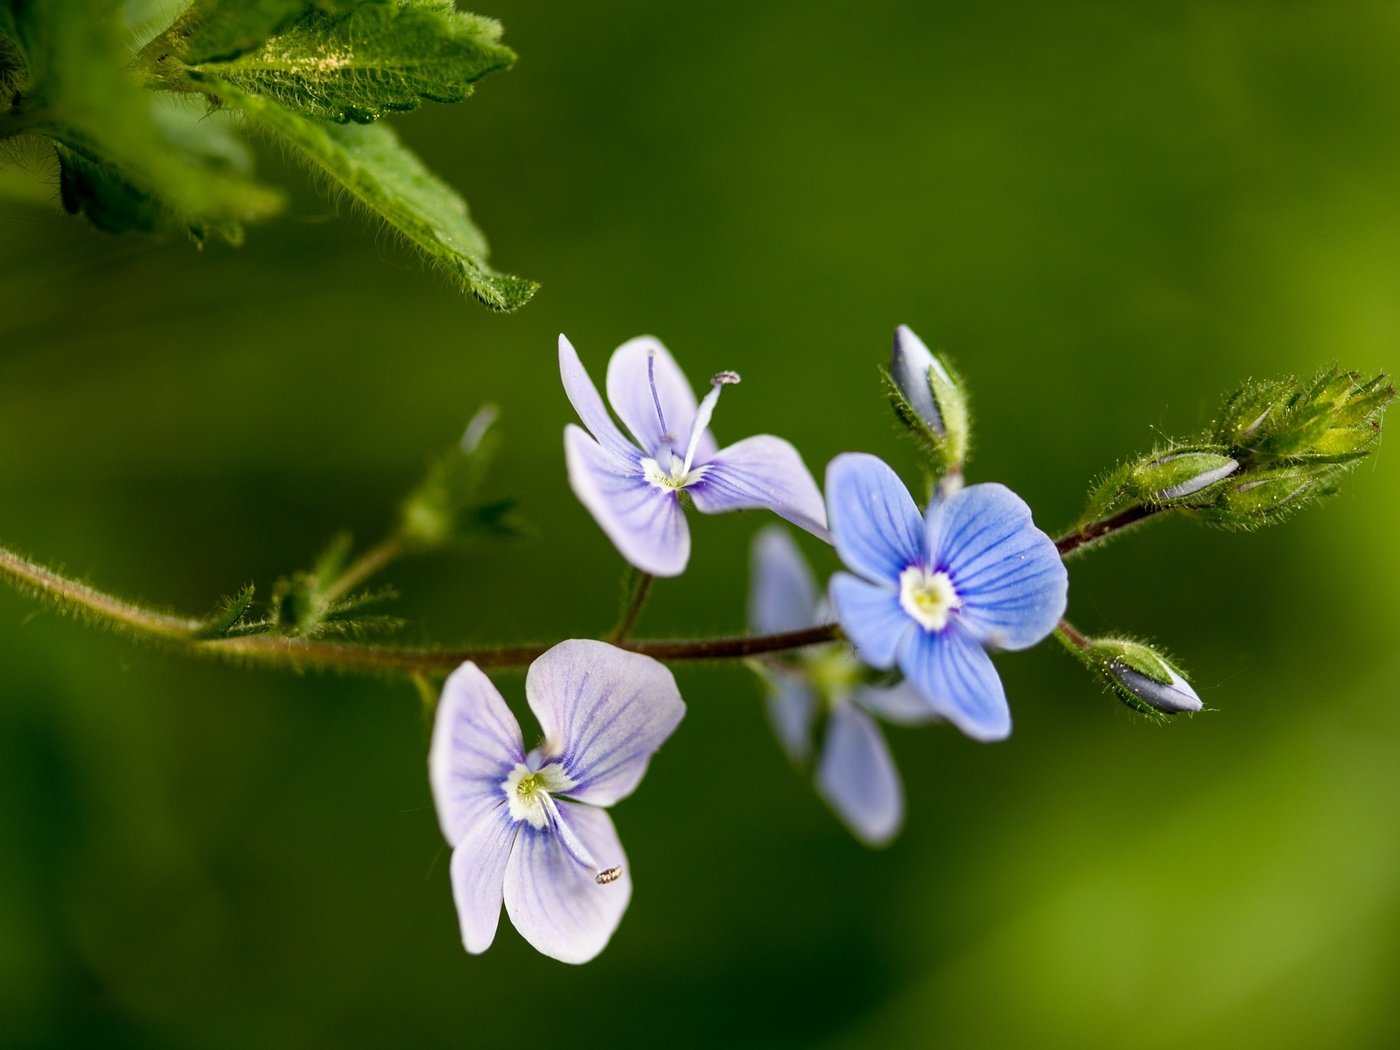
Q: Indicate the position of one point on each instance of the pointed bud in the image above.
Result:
(1141, 677)
(1334, 417)
(928, 400)
(1183, 477)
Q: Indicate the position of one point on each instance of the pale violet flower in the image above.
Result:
(855, 773)
(933, 592)
(633, 488)
(525, 826)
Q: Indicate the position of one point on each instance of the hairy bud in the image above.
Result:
(1183, 477)
(929, 401)
(1141, 677)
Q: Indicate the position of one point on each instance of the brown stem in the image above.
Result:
(1096, 530)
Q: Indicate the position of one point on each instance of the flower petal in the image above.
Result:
(476, 743)
(604, 711)
(646, 525)
(1008, 575)
(761, 472)
(858, 778)
(631, 370)
(478, 876)
(583, 395)
(782, 592)
(554, 901)
(872, 618)
(792, 709)
(901, 704)
(876, 527)
(956, 676)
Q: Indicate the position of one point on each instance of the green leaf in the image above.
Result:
(378, 172)
(215, 30)
(229, 616)
(129, 161)
(377, 58)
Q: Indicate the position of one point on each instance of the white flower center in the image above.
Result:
(527, 791)
(676, 478)
(928, 597)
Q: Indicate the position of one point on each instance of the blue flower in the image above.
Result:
(525, 826)
(634, 490)
(933, 593)
(855, 773)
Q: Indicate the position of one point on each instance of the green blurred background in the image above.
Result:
(1106, 214)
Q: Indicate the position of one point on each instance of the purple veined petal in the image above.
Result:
(761, 472)
(476, 742)
(478, 876)
(956, 676)
(782, 593)
(583, 395)
(631, 370)
(857, 777)
(875, 525)
(1007, 573)
(604, 711)
(645, 523)
(872, 618)
(792, 710)
(555, 902)
(900, 704)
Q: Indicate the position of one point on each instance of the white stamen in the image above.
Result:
(703, 414)
(928, 597)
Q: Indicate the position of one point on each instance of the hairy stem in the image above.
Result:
(639, 590)
(372, 561)
(1088, 534)
(314, 654)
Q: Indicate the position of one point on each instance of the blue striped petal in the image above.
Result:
(857, 776)
(876, 527)
(604, 713)
(554, 901)
(956, 675)
(478, 874)
(872, 618)
(645, 524)
(782, 592)
(761, 473)
(631, 370)
(583, 395)
(1008, 576)
(476, 743)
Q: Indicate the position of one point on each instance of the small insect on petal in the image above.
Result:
(607, 875)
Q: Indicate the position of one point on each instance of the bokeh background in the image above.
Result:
(1106, 214)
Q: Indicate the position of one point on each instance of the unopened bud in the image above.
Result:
(928, 400)
(1184, 476)
(1267, 494)
(1142, 678)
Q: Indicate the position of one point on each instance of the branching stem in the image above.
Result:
(315, 654)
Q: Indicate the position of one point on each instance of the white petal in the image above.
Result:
(555, 902)
(604, 712)
(476, 743)
(478, 876)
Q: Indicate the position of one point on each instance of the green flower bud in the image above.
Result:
(928, 400)
(1182, 477)
(1141, 677)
